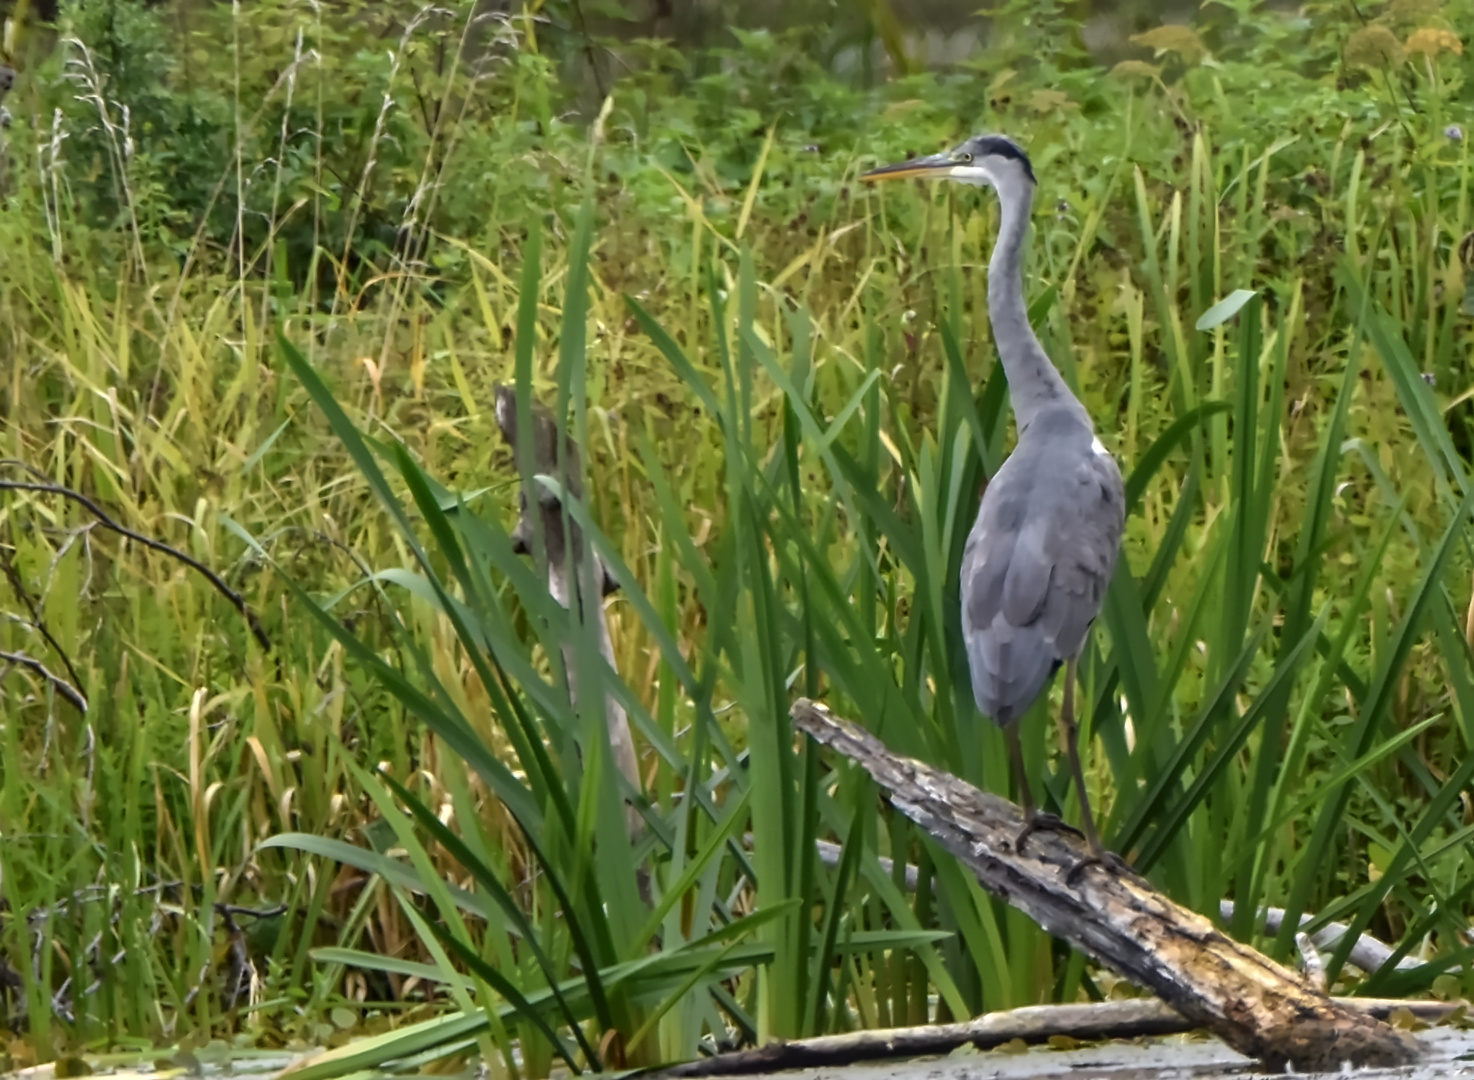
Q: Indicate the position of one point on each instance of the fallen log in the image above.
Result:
(1031, 1024)
(1254, 1005)
(1367, 952)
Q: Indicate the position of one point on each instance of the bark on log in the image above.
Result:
(1032, 1024)
(1253, 1004)
(1367, 952)
(565, 562)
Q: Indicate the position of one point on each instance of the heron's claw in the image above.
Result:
(1037, 821)
(1099, 856)
(1107, 860)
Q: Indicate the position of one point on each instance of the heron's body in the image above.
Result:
(1044, 546)
(1038, 561)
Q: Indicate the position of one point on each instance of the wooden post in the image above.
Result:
(1251, 1003)
(565, 558)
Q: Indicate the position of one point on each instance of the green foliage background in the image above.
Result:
(785, 388)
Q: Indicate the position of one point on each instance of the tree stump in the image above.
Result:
(1254, 1005)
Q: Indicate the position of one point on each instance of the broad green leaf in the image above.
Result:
(1224, 310)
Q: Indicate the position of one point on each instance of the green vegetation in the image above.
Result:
(392, 830)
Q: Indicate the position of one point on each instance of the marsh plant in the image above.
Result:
(256, 298)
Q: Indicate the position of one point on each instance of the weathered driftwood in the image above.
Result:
(1253, 1004)
(565, 562)
(1031, 1024)
(1367, 952)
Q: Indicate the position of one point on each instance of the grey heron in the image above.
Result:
(1044, 546)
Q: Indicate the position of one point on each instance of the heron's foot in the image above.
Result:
(1106, 860)
(1038, 821)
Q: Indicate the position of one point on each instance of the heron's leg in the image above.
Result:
(1016, 761)
(1034, 818)
(1070, 735)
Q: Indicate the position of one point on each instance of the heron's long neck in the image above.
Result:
(1033, 382)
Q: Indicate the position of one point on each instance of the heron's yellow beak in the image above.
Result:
(933, 167)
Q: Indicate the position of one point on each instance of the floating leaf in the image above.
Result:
(1446, 988)
(1374, 46)
(1430, 42)
(900, 108)
(1404, 1019)
(1225, 309)
(1173, 38)
(1135, 69)
(1048, 101)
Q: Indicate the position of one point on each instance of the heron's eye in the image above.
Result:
(962, 157)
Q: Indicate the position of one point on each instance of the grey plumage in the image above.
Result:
(1042, 551)
(1038, 562)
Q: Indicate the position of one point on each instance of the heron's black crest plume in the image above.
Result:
(1000, 146)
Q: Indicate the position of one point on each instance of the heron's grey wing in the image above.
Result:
(1083, 551)
(1034, 575)
(1003, 591)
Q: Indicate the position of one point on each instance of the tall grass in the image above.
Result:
(787, 399)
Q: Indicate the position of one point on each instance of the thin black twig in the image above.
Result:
(588, 50)
(106, 520)
(93, 894)
(229, 912)
(38, 620)
(240, 969)
(62, 687)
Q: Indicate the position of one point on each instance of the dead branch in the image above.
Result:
(1251, 1003)
(77, 699)
(106, 521)
(1032, 1024)
(542, 524)
(38, 619)
(1368, 953)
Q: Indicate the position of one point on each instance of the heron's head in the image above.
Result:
(984, 160)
